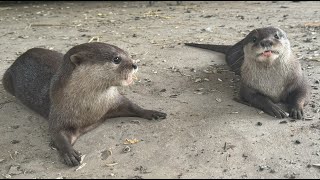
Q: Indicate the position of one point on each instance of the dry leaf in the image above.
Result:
(131, 141)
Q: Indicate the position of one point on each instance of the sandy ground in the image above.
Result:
(206, 134)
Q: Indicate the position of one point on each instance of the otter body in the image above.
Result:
(270, 72)
(76, 92)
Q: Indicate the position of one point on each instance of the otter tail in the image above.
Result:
(219, 48)
(7, 82)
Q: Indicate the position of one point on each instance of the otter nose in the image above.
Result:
(266, 43)
(134, 66)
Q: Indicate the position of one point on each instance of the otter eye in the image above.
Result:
(254, 39)
(116, 60)
(276, 36)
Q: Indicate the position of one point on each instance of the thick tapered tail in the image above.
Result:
(7, 82)
(218, 48)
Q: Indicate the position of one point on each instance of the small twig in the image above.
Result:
(11, 156)
(32, 25)
(80, 167)
(112, 164)
(94, 37)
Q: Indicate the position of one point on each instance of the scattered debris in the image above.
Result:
(228, 146)
(262, 167)
(15, 141)
(126, 149)
(82, 158)
(173, 96)
(111, 164)
(14, 170)
(81, 166)
(244, 155)
(198, 80)
(297, 142)
(142, 170)
(135, 121)
(308, 118)
(316, 165)
(272, 171)
(94, 38)
(131, 141)
(312, 24)
(105, 154)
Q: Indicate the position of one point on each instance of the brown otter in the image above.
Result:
(76, 92)
(270, 72)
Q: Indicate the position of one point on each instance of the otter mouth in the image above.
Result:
(130, 78)
(268, 53)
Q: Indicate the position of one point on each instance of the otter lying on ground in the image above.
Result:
(76, 92)
(270, 72)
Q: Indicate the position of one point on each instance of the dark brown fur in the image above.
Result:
(76, 92)
(267, 81)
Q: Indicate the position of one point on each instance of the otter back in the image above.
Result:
(28, 78)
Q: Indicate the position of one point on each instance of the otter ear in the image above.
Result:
(77, 59)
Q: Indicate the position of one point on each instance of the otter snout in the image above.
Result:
(266, 43)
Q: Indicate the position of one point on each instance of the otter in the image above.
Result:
(270, 73)
(76, 92)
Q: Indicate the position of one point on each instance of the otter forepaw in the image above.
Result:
(150, 114)
(72, 158)
(276, 111)
(296, 113)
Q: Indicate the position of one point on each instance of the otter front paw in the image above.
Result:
(296, 113)
(276, 111)
(72, 157)
(150, 114)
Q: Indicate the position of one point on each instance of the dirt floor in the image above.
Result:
(206, 134)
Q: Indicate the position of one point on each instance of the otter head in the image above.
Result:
(266, 45)
(102, 64)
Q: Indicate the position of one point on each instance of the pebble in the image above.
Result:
(197, 80)
(14, 170)
(126, 149)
